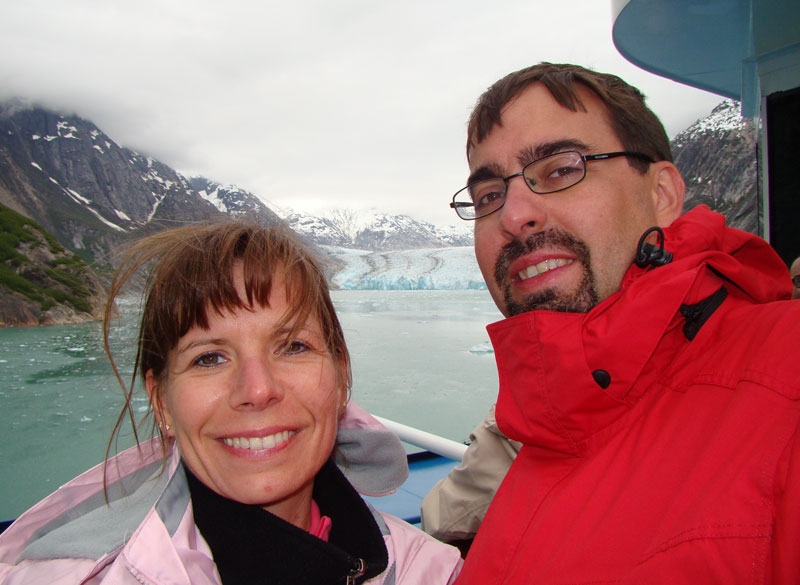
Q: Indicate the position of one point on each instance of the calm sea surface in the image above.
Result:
(416, 359)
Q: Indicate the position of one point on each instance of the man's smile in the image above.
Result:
(542, 267)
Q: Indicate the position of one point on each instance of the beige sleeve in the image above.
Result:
(454, 508)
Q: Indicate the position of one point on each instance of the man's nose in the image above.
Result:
(523, 211)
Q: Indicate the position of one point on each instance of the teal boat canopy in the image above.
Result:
(748, 50)
(741, 49)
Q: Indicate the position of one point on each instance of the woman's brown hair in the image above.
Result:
(190, 272)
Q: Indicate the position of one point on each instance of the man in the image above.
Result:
(644, 364)
(794, 273)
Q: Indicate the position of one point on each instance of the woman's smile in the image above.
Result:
(264, 443)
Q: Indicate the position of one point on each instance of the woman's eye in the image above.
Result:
(294, 347)
(209, 360)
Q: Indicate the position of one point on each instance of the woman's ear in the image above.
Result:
(344, 391)
(161, 413)
(341, 405)
(668, 192)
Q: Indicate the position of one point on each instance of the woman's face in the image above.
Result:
(254, 411)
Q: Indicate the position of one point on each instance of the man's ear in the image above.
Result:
(668, 190)
(163, 418)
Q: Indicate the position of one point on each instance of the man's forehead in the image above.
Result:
(535, 124)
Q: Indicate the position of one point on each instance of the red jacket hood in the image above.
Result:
(566, 376)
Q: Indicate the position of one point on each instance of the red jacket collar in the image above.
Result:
(566, 376)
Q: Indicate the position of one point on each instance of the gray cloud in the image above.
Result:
(309, 104)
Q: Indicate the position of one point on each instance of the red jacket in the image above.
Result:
(659, 430)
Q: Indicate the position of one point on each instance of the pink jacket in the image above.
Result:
(147, 534)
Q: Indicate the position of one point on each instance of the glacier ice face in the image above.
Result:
(426, 269)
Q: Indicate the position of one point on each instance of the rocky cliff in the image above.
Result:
(92, 194)
(717, 158)
(42, 283)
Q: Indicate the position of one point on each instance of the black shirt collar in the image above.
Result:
(251, 545)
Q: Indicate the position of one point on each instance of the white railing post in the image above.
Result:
(428, 441)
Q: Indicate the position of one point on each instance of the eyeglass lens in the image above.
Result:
(546, 175)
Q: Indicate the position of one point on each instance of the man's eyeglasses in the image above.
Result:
(548, 174)
(796, 281)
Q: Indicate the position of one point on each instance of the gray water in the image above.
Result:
(411, 363)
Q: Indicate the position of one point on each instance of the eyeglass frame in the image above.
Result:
(456, 205)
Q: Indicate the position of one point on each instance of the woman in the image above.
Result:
(246, 369)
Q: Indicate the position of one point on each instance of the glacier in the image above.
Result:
(423, 269)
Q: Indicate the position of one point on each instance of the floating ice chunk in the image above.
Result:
(482, 348)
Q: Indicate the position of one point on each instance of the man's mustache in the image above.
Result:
(517, 248)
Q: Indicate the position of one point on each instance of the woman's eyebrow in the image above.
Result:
(182, 348)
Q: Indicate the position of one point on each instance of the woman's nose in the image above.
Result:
(256, 385)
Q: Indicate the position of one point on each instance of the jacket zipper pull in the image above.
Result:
(358, 568)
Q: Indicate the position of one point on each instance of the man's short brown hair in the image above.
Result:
(636, 126)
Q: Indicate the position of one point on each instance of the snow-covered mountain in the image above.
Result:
(717, 158)
(232, 200)
(92, 194)
(373, 230)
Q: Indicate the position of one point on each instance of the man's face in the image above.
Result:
(563, 251)
(794, 271)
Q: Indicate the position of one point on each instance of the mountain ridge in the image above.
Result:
(93, 195)
(717, 158)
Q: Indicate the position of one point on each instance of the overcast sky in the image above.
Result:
(309, 104)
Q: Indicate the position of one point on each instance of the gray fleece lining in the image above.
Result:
(92, 528)
(172, 504)
(373, 460)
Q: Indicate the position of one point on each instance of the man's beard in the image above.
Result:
(583, 299)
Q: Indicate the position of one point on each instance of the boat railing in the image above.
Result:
(435, 459)
(425, 440)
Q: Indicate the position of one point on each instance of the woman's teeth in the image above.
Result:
(258, 443)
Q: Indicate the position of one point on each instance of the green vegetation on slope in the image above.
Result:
(59, 281)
